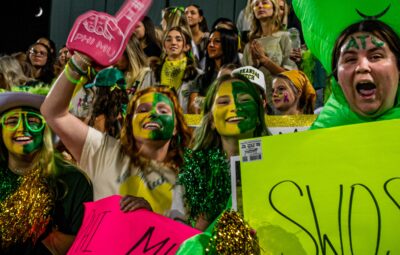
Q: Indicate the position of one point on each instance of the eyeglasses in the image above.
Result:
(33, 121)
(38, 53)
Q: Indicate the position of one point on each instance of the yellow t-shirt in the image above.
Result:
(112, 172)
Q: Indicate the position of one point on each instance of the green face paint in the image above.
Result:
(22, 131)
(362, 39)
(235, 111)
(352, 43)
(154, 118)
(378, 43)
(246, 105)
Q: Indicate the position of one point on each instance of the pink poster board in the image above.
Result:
(103, 37)
(108, 230)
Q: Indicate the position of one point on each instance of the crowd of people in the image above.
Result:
(121, 129)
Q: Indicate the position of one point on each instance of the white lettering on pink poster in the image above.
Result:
(108, 230)
(102, 36)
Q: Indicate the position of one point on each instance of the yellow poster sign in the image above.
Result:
(328, 191)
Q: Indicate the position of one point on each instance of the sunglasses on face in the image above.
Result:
(33, 121)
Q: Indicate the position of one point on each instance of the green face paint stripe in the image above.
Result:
(166, 121)
(248, 110)
(36, 143)
(363, 41)
(37, 136)
(377, 43)
(352, 43)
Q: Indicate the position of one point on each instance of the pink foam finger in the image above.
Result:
(103, 37)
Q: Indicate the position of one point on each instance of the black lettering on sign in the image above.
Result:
(322, 241)
(378, 212)
(147, 236)
(90, 231)
(325, 239)
(385, 187)
(287, 217)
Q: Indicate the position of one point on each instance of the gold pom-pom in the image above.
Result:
(25, 214)
(232, 235)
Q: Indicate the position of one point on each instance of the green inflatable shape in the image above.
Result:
(323, 21)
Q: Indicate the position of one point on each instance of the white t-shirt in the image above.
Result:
(112, 172)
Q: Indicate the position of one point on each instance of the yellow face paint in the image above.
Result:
(234, 111)
(267, 6)
(262, 6)
(18, 138)
(154, 117)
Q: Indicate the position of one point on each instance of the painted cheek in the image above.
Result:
(9, 143)
(285, 97)
(137, 123)
(22, 149)
(278, 94)
(35, 145)
(250, 112)
(220, 115)
(168, 123)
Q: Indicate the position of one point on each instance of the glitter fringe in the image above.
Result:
(232, 235)
(26, 213)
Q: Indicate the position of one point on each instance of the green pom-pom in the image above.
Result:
(206, 178)
(40, 89)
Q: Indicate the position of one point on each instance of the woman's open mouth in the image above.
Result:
(366, 89)
(23, 139)
(151, 126)
(234, 120)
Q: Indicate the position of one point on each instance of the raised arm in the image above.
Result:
(108, 31)
(71, 130)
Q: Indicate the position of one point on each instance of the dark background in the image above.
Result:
(20, 25)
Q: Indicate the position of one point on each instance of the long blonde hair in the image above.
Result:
(256, 29)
(11, 73)
(44, 158)
(175, 17)
(137, 61)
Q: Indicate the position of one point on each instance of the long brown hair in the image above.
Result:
(190, 71)
(178, 142)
